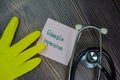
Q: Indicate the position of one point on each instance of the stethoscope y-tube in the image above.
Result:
(91, 57)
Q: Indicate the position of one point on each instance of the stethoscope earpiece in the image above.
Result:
(78, 27)
(103, 30)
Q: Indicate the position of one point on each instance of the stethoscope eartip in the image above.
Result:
(78, 27)
(103, 30)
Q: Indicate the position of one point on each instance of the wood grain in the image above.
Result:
(33, 15)
(103, 13)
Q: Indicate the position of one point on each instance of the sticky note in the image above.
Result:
(59, 39)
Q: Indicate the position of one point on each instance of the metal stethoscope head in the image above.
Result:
(90, 57)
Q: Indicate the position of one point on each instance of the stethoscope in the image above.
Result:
(91, 57)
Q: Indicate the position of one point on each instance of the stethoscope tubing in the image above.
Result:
(111, 76)
(77, 40)
(73, 64)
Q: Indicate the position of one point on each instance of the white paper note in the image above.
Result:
(59, 39)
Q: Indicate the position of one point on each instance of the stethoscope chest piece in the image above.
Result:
(90, 58)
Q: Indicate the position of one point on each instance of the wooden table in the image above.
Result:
(34, 13)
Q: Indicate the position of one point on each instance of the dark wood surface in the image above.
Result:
(34, 13)
(103, 13)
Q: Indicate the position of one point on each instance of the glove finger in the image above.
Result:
(26, 67)
(9, 32)
(25, 42)
(29, 53)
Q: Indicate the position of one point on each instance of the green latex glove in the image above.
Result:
(16, 60)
